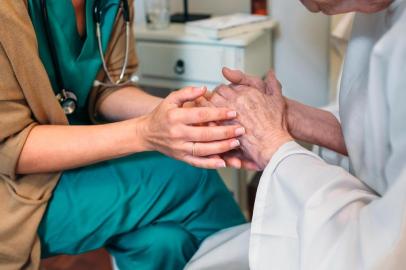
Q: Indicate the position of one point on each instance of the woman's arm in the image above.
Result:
(127, 103)
(169, 129)
(57, 148)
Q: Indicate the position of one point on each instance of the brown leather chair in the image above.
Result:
(98, 259)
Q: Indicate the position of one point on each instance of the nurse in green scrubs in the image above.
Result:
(149, 210)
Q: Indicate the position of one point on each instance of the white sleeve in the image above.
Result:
(312, 215)
(322, 215)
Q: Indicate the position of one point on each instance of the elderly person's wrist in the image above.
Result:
(272, 146)
(293, 117)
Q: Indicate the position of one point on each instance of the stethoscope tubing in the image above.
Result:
(64, 94)
(125, 61)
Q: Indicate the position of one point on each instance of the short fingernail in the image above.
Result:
(240, 131)
(221, 164)
(235, 143)
(232, 114)
(199, 89)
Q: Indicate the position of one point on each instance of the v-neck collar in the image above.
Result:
(80, 43)
(78, 58)
(85, 22)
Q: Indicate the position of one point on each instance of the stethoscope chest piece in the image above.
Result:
(68, 101)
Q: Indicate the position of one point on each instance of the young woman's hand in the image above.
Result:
(183, 133)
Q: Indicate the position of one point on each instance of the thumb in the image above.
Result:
(234, 76)
(273, 86)
(186, 94)
(240, 78)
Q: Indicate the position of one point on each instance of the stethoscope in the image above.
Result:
(66, 98)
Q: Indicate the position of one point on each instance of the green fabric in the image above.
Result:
(150, 211)
(78, 57)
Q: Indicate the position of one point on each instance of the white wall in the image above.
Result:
(216, 7)
(301, 52)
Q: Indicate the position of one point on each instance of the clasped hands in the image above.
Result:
(261, 110)
(240, 125)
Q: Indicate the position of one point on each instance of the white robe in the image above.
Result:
(313, 215)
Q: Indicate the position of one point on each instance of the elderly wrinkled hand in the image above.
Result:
(262, 114)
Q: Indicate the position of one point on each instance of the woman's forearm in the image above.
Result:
(315, 126)
(127, 103)
(58, 148)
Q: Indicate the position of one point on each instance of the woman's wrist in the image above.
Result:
(138, 135)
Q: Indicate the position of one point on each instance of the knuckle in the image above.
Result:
(221, 86)
(175, 133)
(203, 115)
(223, 90)
(172, 95)
(172, 116)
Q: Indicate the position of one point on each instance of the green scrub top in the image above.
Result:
(78, 57)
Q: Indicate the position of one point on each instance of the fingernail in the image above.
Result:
(232, 114)
(240, 131)
(235, 143)
(221, 164)
(199, 89)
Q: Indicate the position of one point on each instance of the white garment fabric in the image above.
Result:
(341, 34)
(313, 215)
(227, 249)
